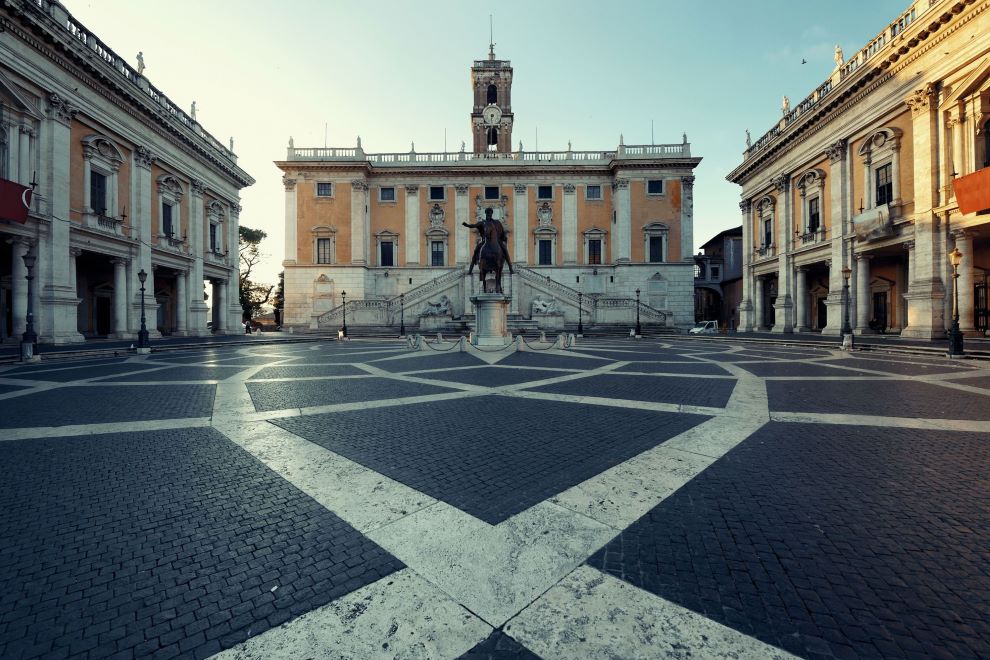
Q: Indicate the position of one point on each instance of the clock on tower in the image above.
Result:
(491, 117)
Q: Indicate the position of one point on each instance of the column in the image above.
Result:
(18, 285)
(902, 304)
(56, 308)
(233, 311)
(119, 329)
(151, 304)
(520, 225)
(196, 322)
(621, 244)
(412, 226)
(462, 247)
(927, 291)
(687, 218)
(359, 232)
(839, 187)
(801, 300)
(73, 270)
(182, 303)
(569, 228)
(24, 156)
(291, 212)
(758, 302)
(784, 306)
(219, 305)
(746, 304)
(964, 242)
(141, 229)
(863, 298)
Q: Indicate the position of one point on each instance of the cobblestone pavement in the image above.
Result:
(625, 499)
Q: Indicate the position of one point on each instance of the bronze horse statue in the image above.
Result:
(491, 254)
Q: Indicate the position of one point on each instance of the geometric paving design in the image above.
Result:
(869, 542)
(490, 470)
(168, 542)
(448, 507)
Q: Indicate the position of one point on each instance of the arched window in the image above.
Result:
(492, 94)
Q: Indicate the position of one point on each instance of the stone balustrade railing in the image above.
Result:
(413, 158)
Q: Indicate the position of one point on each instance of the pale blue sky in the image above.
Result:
(397, 71)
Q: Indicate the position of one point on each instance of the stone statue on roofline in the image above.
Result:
(749, 140)
(838, 56)
(785, 105)
(140, 61)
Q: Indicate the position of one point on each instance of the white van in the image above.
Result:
(705, 328)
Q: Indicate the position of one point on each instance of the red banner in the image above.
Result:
(973, 191)
(15, 201)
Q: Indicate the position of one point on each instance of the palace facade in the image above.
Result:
(123, 181)
(586, 228)
(881, 172)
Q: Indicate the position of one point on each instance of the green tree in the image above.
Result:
(278, 298)
(252, 295)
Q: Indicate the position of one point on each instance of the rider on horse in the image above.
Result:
(480, 226)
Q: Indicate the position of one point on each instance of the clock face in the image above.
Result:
(491, 115)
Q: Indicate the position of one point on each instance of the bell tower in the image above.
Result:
(491, 117)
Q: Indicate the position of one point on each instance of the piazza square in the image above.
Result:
(314, 394)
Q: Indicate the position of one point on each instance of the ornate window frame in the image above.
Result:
(102, 155)
(881, 147)
(437, 233)
(811, 184)
(595, 234)
(215, 218)
(656, 229)
(385, 236)
(766, 212)
(324, 232)
(169, 192)
(545, 232)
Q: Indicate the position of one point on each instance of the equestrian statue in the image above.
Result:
(491, 253)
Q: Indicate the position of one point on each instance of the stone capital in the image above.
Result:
(620, 184)
(235, 209)
(60, 110)
(75, 252)
(412, 189)
(864, 257)
(521, 188)
(745, 206)
(289, 182)
(569, 188)
(360, 185)
(144, 158)
(119, 261)
(920, 100)
(781, 182)
(958, 234)
(908, 245)
(198, 187)
(687, 181)
(836, 151)
(462, 189)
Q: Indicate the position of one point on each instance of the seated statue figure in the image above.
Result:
(439, 308)
(543, 306)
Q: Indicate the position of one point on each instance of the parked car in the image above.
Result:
(705, 328)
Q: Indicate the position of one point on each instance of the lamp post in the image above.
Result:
(580, 316)
(343, 297)
(402, 315)
(30, 337)
(143, 346)
(639, 331)
(846, 328)
(955, 335)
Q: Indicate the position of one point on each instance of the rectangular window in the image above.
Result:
(437, 193)
(654, 187)
(167, 219)
(386, 194)
(593, 192)
(213, 239)
(387, 259)
(98, 193)
(595, 251)
(885, 185)
(324, 189)
(491, 192)
(436, 253)
(323, 254)
(656, 249)
(767, 232)
(544, 192)
(716, 272)
(814, 215)
(546, 252)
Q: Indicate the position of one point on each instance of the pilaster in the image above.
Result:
(569, 225)
(412, 225)
(520, 226)
(687, 218)
(864, 299)
(197, 244)
(234, 310)
(746, 305)
(291, 220)
(839, 182)
(801, 300)
(964, 243)
(783, 307)
(359, 223)
(462, 250)
(622, 244)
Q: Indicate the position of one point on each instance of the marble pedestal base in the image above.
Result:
(491, 325)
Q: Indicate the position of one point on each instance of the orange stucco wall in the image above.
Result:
(313, 211)
(665, 208)
(595, 214)
(798, 202)
(905, 164)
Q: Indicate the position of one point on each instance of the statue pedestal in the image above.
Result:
(491, 327)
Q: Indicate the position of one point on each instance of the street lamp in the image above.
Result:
(580, 317)
(30, 337)
(343, 297)
(402, 315)
(143, 346)
(955, 335)
(639, 331)
(846, 328)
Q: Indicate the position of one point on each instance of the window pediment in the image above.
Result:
(813, 178)
(102, 147)
(168, 184)
(883, 139)
(323, 230)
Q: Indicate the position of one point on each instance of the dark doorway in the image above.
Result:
(103, 316)
(879, 323)
(822, 313)
(981, 314)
